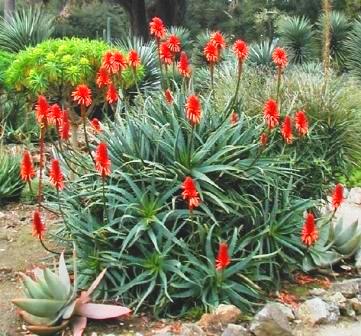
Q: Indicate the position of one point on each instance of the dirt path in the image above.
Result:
(18, 251)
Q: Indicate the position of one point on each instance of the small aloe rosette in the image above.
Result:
(51, 303)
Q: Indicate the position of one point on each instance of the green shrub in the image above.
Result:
(27, 27)
(10, 182)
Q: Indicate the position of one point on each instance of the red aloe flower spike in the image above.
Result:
(157, 28)
(56, 175)
(301, 123)
(271, 113)
(166, 55)
(183, 65)
(286, 130)
(38, 226)
(279, 58)
(56, 114)
(64, 128)
(112, 94)
(174, 44)
(263, 139)
(168, 96)
(211, 53)
(107, 62)
(102, 162)
(218, 40)
(190, 193)
(82, 95)
(133, 59)
(337, 196)
(193, 110)
(309, 233)
(223, 259)
(42, 110)
(27, 172)
(234, 118)
(240, 49)
(119, 62)
(102, 77)
(95, 124)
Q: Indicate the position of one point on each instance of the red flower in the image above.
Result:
(114, 62)
(38, 226)
(279, 58)
(218, 40)
(42, 110)
(286, 130)
(301, 123)
(190, 193)
(27, 172)
(337, 196)
(263, 139)
(183, 65)
(174, 44)
(168, 96)
(95, 124)
(56, 114)
(234, 118)
(166, 55)
(133, 59)
(309, 233)
(119, 61)
(82, 95)
(240, 49)
(64, 127)
(211, 52)
(271, 114)
(223, 259)
(157, 28)
(112, 94)
(102, 77)
(102, 162)
(56, 176)
(193, 110)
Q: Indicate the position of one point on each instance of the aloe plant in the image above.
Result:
(51, 303)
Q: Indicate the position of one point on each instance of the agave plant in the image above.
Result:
(51, 303)
(296, 35)
(26, 27)
(353, 45)
(260, 54)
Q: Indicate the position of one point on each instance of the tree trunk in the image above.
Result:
(9, 8)
(139, 19)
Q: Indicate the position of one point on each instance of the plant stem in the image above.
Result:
(279, 75)
(41, 161)
(83, 117)
(160, 65)
(190, 147)
(46, 248)
(104, 200)
(238, 83)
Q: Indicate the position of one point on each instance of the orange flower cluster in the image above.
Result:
(190, 193)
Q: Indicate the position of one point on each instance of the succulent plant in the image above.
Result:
(51, 303)
(337, 241)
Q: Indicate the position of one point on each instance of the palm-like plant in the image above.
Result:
(26, 27)
(340, 28)
(296, 34)
(353, 43)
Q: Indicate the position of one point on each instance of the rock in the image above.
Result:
(318, 291)
(219, 318)
(191, 329)
(354, 196)
(349, 288)
(356, 305)
(338, 299)
(235, 330)
(317, 311)
(285, 310)
(358, 261)
(270, 321)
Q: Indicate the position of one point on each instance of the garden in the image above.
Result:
(180, 181)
